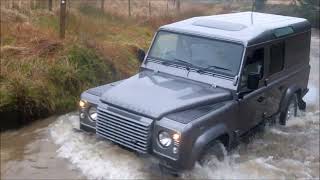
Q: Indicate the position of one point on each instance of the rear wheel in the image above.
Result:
(292, 110)
(213, 152)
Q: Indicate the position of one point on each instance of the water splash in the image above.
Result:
(97, 159)
(291, 152)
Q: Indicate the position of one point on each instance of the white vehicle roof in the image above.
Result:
(238, 27)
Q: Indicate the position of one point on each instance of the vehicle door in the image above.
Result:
(287, 65)
(252, 104)
(275, 87)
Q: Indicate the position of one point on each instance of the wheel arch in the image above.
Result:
(218, 132)
(286, 100)
(287, 96)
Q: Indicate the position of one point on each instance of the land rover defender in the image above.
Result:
(204, 80)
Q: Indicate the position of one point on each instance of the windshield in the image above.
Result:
(206, 54)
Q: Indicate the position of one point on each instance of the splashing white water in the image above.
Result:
(97, 159)
(291, 152)
(312, 97)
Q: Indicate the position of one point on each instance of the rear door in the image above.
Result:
(287, 65)
(274, 78)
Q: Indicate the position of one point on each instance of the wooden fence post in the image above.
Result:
(129, 8)
(167, 6)
(6, 4)
(50, 5)
(20, 4)
(178, 6)
(102, 5)
(150, 8)
(63, 8)
(31, 5)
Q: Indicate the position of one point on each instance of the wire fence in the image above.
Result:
(139, 9)
(120, 7)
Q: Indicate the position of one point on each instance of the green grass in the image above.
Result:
(48, 22)
(35, 88)
(8, 40)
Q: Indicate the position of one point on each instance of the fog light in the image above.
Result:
(82, 115)
(175, 150)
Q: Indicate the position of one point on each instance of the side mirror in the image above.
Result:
(141, 55)
(253, 81)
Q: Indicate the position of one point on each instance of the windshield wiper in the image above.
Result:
(179, 61)
(182, 61)
(212, 67)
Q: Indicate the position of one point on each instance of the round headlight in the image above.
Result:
(165, 139)
(93, 113)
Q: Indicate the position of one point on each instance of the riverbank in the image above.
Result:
(42, 75)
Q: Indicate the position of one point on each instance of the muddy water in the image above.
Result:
(53, 148)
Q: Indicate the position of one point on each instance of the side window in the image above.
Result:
(297, 50)
(276, 58)
(254, 64)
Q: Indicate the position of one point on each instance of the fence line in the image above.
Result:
(134, 7)
(137, 8)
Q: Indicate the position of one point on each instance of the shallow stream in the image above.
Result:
(53, 148)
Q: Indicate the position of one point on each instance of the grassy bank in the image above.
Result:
(42, 75)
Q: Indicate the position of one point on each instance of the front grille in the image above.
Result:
(124, 128)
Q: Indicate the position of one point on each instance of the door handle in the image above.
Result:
(266, 81)
(261, 99)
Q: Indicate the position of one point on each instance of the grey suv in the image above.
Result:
(204, 81)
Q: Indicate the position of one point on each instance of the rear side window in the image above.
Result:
(297, 50)
(276, 58)
(283, 31)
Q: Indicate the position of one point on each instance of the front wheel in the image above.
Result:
(213, 152)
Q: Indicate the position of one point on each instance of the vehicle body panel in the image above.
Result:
(157, 94)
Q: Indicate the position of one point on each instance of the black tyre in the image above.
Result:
(213, 151)
(291, 110)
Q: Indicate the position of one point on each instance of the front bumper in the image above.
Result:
(87, 128)
(120, 133)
